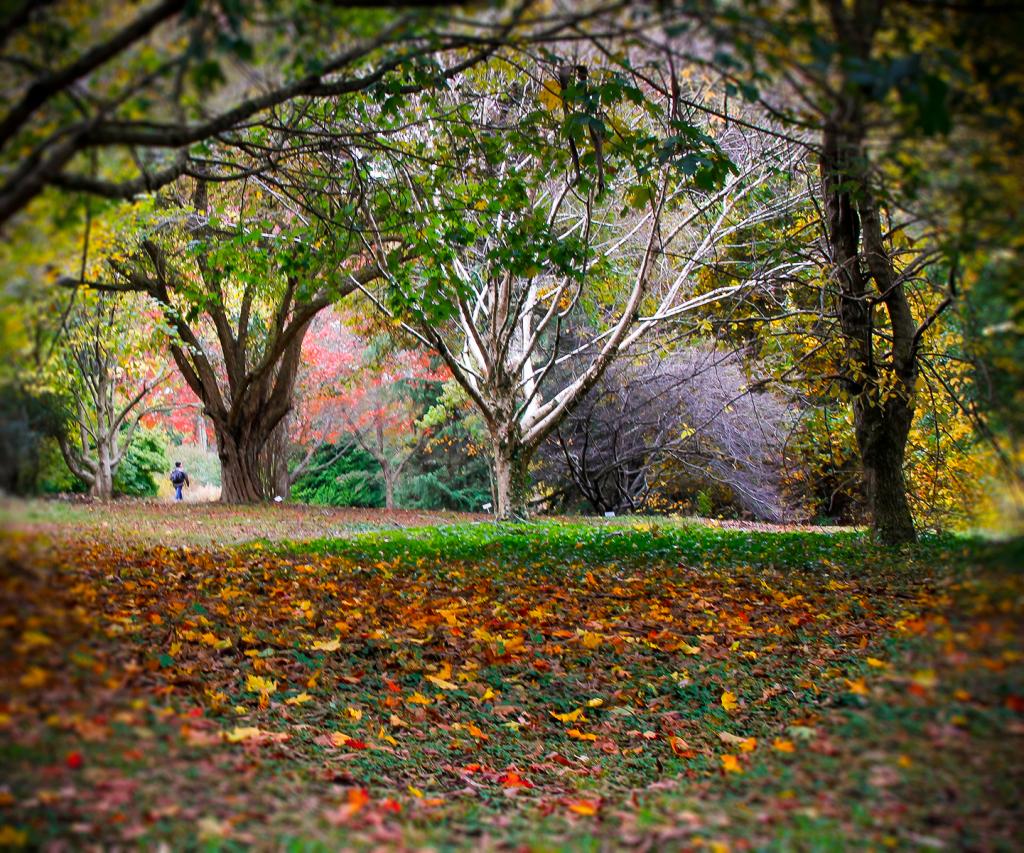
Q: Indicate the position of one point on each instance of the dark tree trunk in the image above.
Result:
(882, 431)
(243, 479)
(882, 387)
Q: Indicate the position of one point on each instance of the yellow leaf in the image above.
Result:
(418, 699)
(783, 745)
(729, 701)
(354, 713)
(749, 744)
(298, 700)
(416, 792)
(925, 678)
(35, 639)
(339, 738)
(858, 687)
(384, 736)
(242, 733)
(595, 703)
(327, 645)
(878, 664)
(550, 95)
(591, 640)
(35, 677)
(570, 717)
(687, 649)
(731, 764)
(578, 735)
(259, 684)
(11, 837)
(442, 683)
(488, 694)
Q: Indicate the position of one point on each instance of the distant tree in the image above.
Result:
(30, 420)
(237, 290)
(107, 361)
(370, 391)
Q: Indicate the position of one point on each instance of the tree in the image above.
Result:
(102, 359)
(368, 391)
(889, 89)
(238, 291)
(533, 244)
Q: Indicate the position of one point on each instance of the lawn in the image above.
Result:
(555, 685)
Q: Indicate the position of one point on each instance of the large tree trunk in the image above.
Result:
(511, 480)
(243, 478)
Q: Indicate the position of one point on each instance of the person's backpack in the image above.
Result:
(177, 476)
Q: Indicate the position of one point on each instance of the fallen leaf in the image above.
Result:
(570, 717)
(259, 684)
(584, 807)
(512, 779)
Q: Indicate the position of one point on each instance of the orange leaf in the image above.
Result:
(584, 807)
(512, 779)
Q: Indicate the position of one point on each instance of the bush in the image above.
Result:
(353, 479)
(27, 420)
(450, 472)
(430, 491)
(54, 477)
(144, 462)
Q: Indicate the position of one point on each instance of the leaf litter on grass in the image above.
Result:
(660, 685)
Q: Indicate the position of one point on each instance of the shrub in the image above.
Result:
(353, 479)
(144, 462)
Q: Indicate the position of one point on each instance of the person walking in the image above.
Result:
(179, 479)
